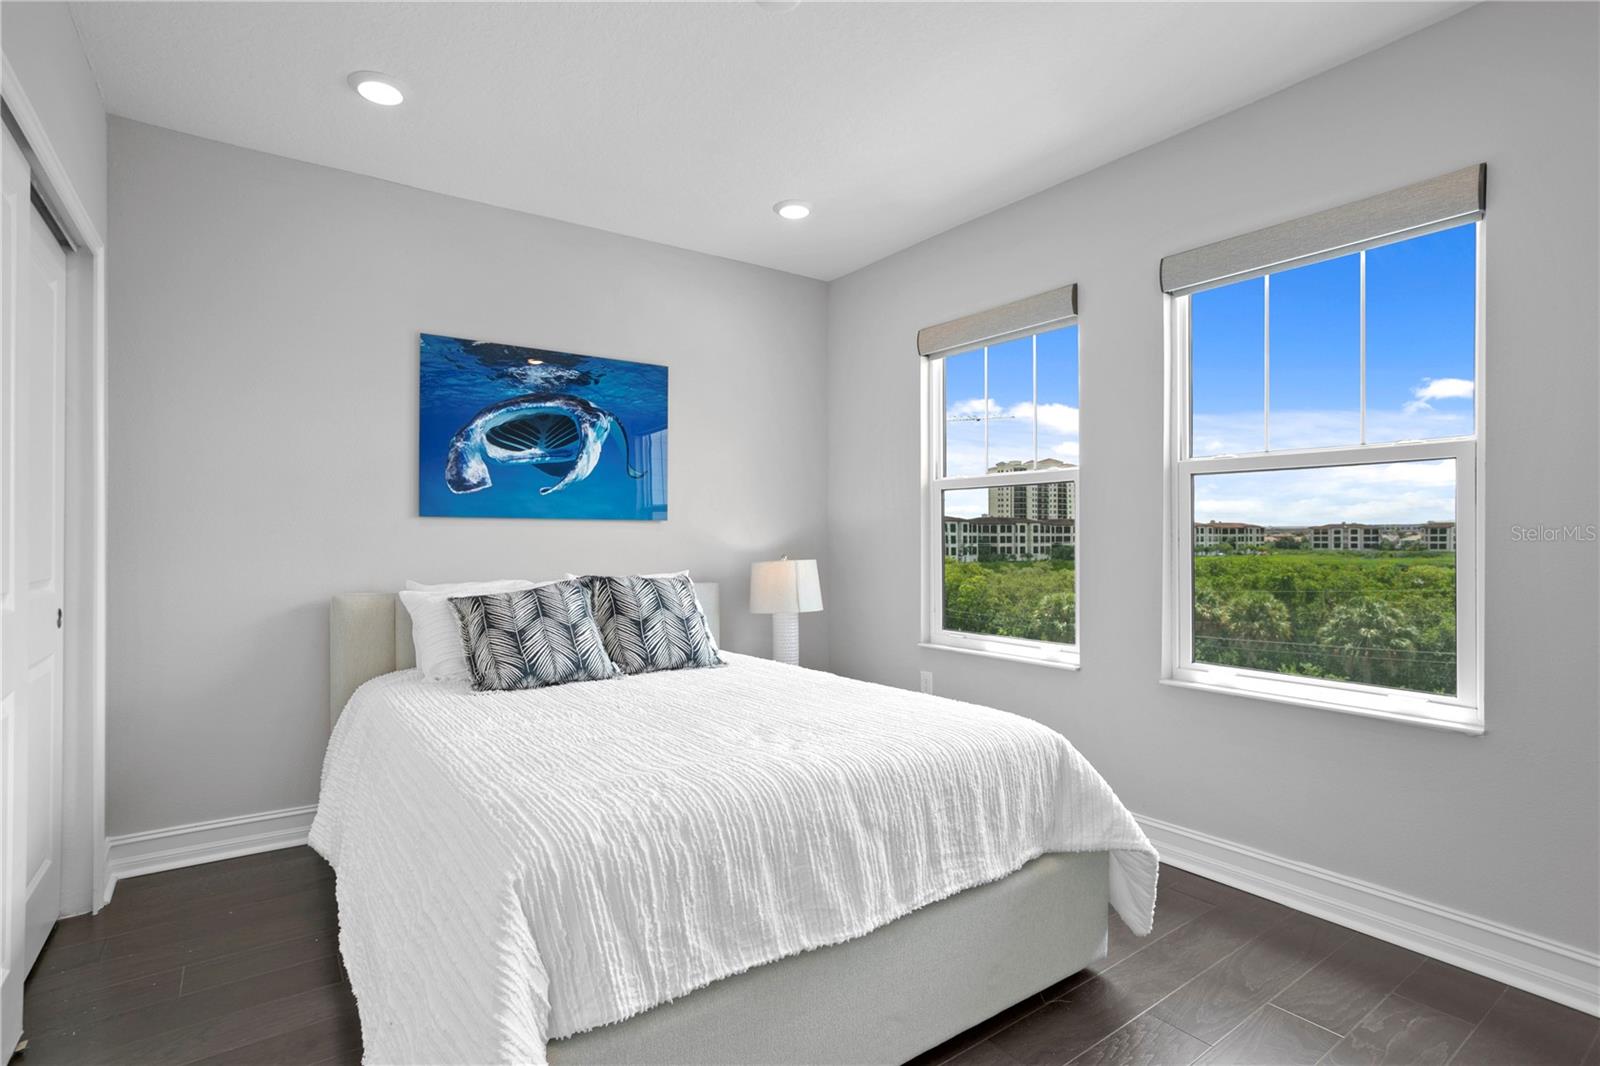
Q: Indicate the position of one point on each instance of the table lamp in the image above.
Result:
(784, 589)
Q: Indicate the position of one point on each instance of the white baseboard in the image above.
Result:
(202, 842)
(1560, 972)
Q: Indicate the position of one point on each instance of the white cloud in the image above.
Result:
(1241, 433)
(1438, 389)
(963, 458)
(1057, 418)
(1444, 389)
(968, 503)
(975, 407)
(1378, 493)
(1010, 433)
(1423, 423)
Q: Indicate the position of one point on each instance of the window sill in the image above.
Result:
(1054, 664)
(1363, 710)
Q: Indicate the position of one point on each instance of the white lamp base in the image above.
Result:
(786, 638)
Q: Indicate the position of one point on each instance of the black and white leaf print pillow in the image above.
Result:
(529, 638)
(652, 623)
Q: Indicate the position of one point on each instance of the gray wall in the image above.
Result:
(41, 43)
(263, 396)
(1502, 826)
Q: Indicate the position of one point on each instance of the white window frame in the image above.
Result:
(936, 484)
(1462, 713)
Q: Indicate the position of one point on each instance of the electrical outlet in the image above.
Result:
(927, 682)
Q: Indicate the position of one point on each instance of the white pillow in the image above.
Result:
(435, 629)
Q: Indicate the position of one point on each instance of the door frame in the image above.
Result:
(83, 778)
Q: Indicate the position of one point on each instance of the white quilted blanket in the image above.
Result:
(517, 867)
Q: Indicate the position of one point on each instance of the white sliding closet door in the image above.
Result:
(32, 501)
(40, 470)
(14, 222)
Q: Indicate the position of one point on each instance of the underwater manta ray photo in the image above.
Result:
(514, 432)
(561, 435)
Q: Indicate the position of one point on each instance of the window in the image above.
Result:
(1003, 499)
(1326, 459)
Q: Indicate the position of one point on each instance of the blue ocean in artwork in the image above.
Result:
(511, 432)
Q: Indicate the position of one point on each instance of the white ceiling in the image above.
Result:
(683, 123)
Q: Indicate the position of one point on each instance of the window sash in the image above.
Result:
(1464, 452)
(1462, 712)
(1266, 352)
(940, 415)
(936, 484)
(1350, 455)
(1018, 477)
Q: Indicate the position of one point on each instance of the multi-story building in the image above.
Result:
(968, 539)
(1362, 536)
(1345, 536)
(1024, 538)
(1439, 536)
(1051, 500)
(1239, 534)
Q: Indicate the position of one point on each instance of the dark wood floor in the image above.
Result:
(237, 962)
(234, 962)
(1227, 977)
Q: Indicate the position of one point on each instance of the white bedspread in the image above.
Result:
(518, 867)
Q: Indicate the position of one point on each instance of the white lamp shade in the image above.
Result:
(786, 586)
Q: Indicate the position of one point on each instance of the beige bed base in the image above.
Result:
(882, 998)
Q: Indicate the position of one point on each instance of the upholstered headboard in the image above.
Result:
(369, 634)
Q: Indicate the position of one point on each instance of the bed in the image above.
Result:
(721, 865)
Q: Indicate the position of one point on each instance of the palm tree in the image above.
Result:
(1368, 631)
(1209, 612)
(1256, 616)
(1056, 618)
(1256, 621)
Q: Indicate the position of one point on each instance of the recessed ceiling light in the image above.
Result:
(377, 88)
(792, 210)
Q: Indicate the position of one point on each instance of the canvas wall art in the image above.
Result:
(512, 432)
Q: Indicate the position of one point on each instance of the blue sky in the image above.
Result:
(1421, 323)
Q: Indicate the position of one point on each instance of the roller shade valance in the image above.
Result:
(1027, 315)
(1447, 200)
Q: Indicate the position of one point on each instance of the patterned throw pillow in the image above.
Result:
(532, 637)
(652, 623)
